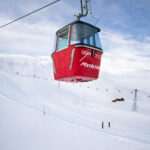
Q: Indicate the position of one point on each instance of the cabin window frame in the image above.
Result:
(63, 44)
(79, 40)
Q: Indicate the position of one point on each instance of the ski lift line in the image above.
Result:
(79, 122)
(29, 13)
(55, 114)
(90, 7)
(97, 19)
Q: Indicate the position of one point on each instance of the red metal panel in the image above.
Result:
(61, 61)
(85, 67)
(86, 64)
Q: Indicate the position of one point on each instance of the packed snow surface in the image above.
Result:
(39, 113)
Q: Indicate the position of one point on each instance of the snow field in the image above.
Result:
(73, 112)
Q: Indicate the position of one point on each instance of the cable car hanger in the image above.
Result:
(82, 13)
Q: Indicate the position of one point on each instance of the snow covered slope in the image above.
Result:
(73, 112)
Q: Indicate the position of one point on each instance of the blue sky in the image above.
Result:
(125, 34)
(126, 16)
(129, 17)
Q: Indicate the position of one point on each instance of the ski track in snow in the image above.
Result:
(79, 124)
(68, 113)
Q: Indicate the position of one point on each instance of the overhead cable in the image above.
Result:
(97, 19)
(29, 14)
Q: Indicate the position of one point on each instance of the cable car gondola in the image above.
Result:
(77, 53)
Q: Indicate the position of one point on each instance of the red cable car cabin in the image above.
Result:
(77, 53)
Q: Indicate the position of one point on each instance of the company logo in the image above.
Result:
(87, 53)
(85, 64)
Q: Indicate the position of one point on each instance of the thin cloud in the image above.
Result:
(124, 53)
(125, 59)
